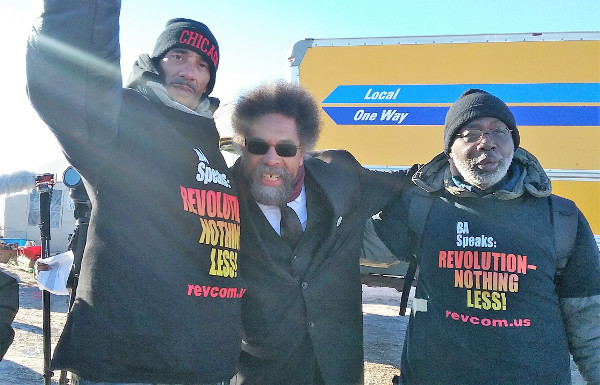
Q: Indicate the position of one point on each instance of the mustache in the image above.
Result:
(486, 156)
(277, 170)
(182, 82)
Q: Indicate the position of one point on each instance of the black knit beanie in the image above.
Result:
(193, 35)
(474, 104)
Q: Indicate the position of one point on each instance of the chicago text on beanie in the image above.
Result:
(189, 34)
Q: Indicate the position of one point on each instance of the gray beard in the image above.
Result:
(480, 179)
(267, 195)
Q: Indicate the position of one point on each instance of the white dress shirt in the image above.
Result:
(273, 213)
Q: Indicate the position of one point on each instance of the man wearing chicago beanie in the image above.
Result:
(192, 35)
(149, 76)
(158, 301)
(509, 274)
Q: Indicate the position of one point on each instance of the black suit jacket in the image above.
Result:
(313, 292)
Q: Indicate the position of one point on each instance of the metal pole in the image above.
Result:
(81, 200)
(44, 184)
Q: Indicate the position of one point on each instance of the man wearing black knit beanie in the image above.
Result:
(160, 74)
(508, 274)
(158, 300)
(473, 109)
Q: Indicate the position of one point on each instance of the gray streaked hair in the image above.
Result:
(283, 98)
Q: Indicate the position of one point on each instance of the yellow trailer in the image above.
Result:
(385, 99)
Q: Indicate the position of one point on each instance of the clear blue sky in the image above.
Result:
(255, 38)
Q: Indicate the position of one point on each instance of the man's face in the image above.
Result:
(485, 161)
(272, 176)
(186, 76)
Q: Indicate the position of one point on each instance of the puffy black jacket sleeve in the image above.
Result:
(9, 305)
(392, 229)
(73, 72)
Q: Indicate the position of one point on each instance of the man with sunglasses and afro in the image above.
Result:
(303, 216)
(152, 307)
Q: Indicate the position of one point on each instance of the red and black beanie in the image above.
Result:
(192, 35)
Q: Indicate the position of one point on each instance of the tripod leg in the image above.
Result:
(63, 378)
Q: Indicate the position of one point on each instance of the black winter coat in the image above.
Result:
(159, 296)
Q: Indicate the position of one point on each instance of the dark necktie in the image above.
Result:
(291, 229)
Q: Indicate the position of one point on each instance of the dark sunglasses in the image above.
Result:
(260, 147)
